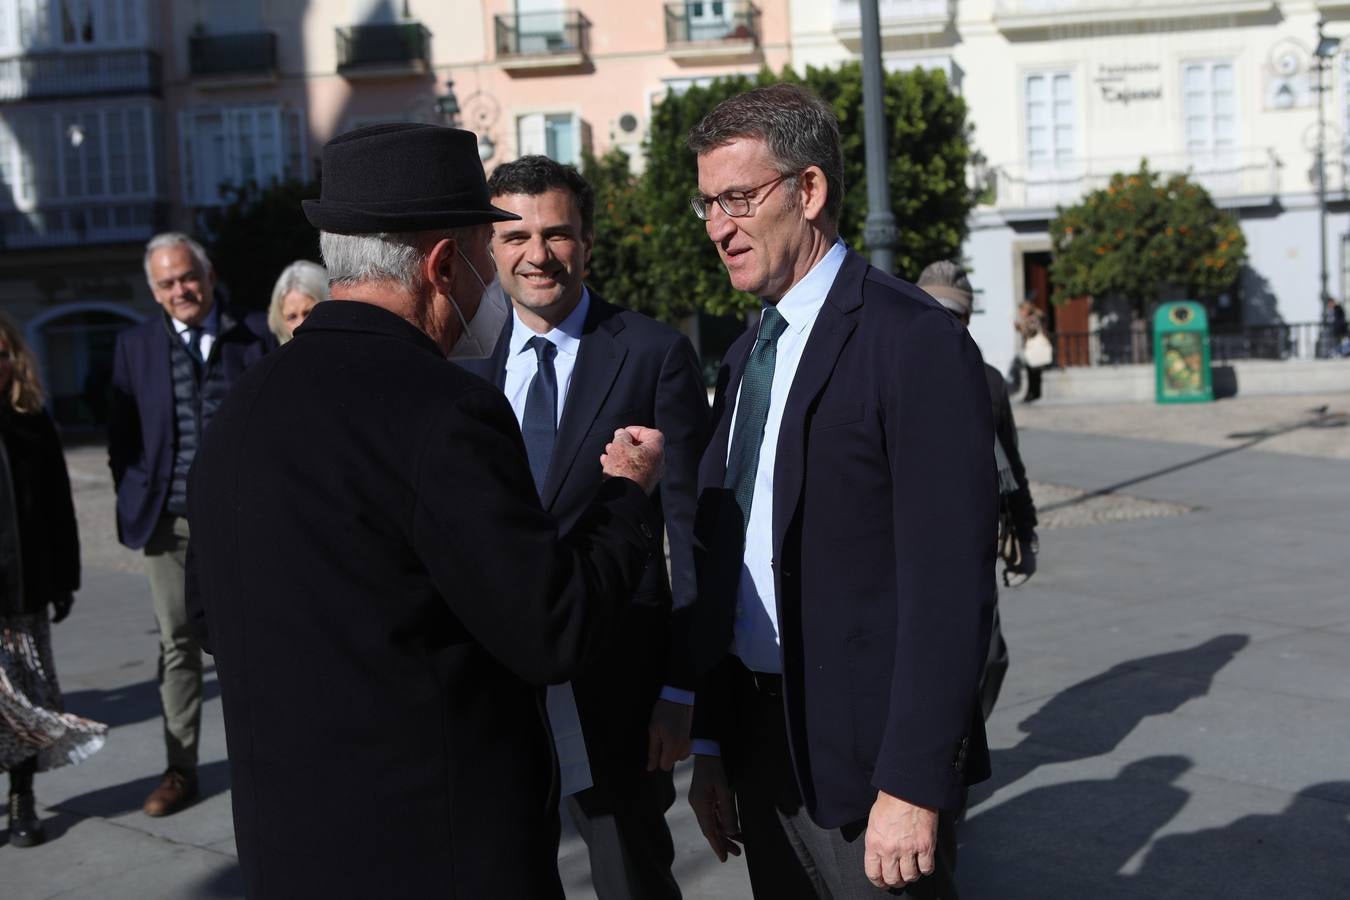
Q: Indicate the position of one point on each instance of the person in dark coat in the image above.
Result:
(385, 613)
(39, 568)
(947, 283)
(633, 702)
(170, 374)
(844, 536)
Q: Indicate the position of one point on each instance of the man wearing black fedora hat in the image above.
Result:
(360, 513)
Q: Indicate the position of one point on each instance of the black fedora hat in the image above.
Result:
(402, 177)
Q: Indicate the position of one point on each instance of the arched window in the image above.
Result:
(74, 344)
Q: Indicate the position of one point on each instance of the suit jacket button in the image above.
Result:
(646, 531)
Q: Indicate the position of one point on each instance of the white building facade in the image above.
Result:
(1064, 93)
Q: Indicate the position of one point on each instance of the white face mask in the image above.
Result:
(478, 337)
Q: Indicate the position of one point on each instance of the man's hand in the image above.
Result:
(901, 841)
(1027, 566)
(637, 453)
(668, 734)
(61, 605)
(715, 806)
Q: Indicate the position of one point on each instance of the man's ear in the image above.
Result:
(438, 268)
(814, 190)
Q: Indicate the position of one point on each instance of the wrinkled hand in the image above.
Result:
(668, 734)
(715, 806)
(901, 841)
(637, 453)
(61, 605)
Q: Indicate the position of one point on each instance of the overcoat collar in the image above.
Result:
(365, 318)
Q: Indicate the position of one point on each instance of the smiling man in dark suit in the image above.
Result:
(170, 374)
(573, 367)
(845, 535)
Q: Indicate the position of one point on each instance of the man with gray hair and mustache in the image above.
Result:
(371, 567)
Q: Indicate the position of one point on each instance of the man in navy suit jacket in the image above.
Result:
(611, 367)
(844, 537)
(170, 373)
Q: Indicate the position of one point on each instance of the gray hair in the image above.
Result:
(395, 256)
(308, 278)
(167, 239)
(947, 283)
(798, 128)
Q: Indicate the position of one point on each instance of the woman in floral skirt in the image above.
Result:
(39, 567)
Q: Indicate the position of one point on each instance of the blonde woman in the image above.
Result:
(301, 286)
(39, 567)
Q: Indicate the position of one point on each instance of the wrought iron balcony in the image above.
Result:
(81, 222)
(38, 76)
(233, 58)
(711, 28)
(899, 18)
(383, 51)
(543, 40)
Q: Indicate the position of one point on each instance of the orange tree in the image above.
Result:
(1143, 233)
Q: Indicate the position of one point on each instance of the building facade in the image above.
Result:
(1064, 93)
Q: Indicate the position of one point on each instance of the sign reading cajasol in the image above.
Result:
(1181, 353)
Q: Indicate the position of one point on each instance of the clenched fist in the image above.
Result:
(637, 453)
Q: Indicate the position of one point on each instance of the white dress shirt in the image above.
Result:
(209, 328)
(521, 365)
(756, 624)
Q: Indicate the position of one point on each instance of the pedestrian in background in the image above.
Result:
(39, 568)
(300, 287)
(949, 285)
(170, 375)
(1037, 353)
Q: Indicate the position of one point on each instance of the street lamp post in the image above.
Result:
(879, 229)
(1326, 49)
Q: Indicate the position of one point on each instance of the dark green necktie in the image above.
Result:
(752, 410)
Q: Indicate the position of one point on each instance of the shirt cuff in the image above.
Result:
(704, 747)
(677, 695)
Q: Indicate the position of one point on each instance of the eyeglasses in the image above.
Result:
(734, 203)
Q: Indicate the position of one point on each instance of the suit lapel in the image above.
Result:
(599, 360)
(834, 324)
(496, 363)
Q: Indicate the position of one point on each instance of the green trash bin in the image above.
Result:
(1181, 353)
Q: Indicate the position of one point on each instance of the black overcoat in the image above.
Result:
(385, 599)
(49, 540)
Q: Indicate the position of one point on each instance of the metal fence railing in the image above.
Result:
(220, 54)
(1134, 346)
(47, 75)
(404, 44)
(691, 23)
(554, 33)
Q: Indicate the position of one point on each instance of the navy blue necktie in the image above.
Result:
(194, 343)
(752, 410)
(539, 425)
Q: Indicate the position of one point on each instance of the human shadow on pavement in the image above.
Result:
(1300, 852)
(127, 705)
(212, 778)
(226, 883)
(1092, 717)
(1069, 840)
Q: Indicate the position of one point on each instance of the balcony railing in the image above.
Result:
(225, 55)
(898, 17)
(691, 23)
(383, 49)
(1126, 345)
(549, 38)
(1012, 15)
(83, 222)
(1228, 176)
(86, 73)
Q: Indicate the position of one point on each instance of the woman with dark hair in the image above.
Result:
(39, 567)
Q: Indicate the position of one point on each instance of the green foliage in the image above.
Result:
(1141, 234)
(653, 254)
(256, 235)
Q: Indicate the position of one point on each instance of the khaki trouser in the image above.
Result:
(180, 659)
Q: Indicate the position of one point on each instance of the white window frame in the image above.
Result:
(290, 159)
(1056, 164)
(1213, 150)
(23, 191)
(538, 143)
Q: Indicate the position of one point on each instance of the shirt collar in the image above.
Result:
(208, 325)
(804, 299)
(566, 337)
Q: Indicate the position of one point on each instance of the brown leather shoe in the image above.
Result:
(177, 790)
